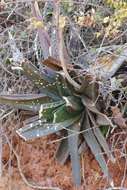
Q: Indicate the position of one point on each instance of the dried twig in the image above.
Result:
(63, 64)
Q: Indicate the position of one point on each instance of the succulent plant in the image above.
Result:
(59, 106)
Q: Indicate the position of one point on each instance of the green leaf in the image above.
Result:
(47, 110)
(41, 129)
(62, 85)
(89, 88)
(104, 130)
(62, 151)
(43, 82)
(63, 113)
(25, 101)
(92, 107)
(94, 146)
(74, 102)
(101, 138)
(73, 142)
(102, 121)
(31, 120)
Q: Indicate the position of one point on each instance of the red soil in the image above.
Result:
(39, 166)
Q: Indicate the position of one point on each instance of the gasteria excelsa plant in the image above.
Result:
(61, 107)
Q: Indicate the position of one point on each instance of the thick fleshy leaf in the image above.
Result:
(47, 110)
(92, 107)
(102, 121)
(63, 113)
(48, 114)
(74, 102)
(83, 147)
(54, 104)
(63, 85)
(41, 129)
(43, 82)
(31, 120)
(73, 143)
(62, 151)
(25, 101)
(94, 146)
(101, 138)
(35, 75)
(89, 88)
